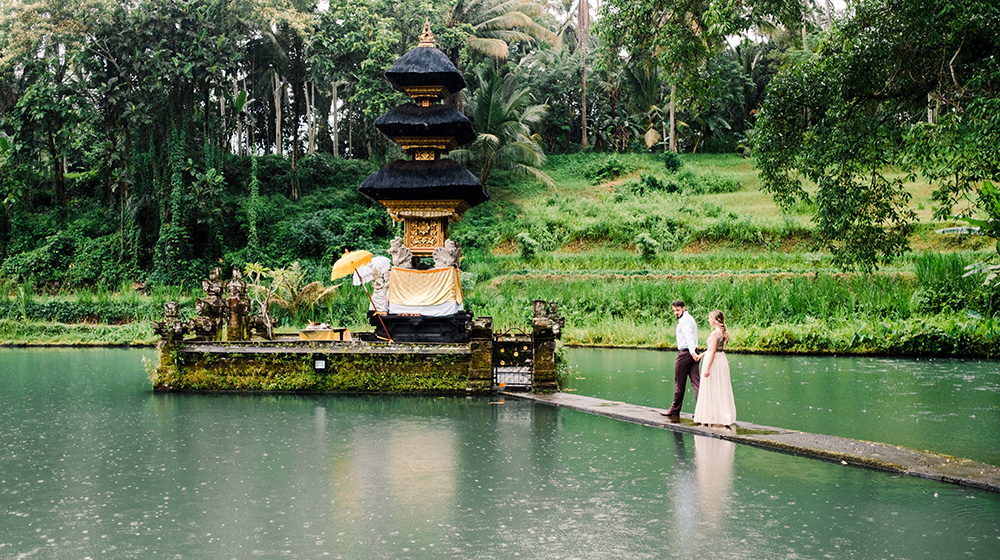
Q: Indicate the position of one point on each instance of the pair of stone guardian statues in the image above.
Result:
(444, 257)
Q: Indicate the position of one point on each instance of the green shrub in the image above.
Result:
(736, 230)
(322, 171)
(943, 286)
(672, 161)
(708, 182)
(114, 312)
(646, 246)
(648, 184)
(607, 169)
(529, 247)
(46, 265)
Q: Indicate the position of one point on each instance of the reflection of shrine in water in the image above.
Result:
(424, 339)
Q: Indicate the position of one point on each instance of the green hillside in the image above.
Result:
(614, 242)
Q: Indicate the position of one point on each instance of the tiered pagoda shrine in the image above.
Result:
(426, 193)
(424, 338)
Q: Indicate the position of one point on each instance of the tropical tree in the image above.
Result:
(553, 76)
(860, 104)
(354, 44)
(643, 82)
(42, 42)
(683, 35)
(291, 291)
(504, 114)
(495, 24)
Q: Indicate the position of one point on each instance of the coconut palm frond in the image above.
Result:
(508, 21)
(495, 48)
(534, 172)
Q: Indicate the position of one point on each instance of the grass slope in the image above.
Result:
(616, 241)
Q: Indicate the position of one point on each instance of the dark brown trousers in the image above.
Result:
(684, 367)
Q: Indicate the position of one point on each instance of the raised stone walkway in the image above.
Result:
(881, 456)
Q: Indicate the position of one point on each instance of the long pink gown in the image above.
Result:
(715, 397)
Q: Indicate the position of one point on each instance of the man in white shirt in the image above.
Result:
(686, 364)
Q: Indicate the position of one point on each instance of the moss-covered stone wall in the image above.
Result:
(185, 370)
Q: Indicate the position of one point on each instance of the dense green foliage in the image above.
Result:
(144, 143)
(614, 256)
(897, 83)
(77, 246)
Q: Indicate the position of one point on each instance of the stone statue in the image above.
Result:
(239, 309)
(401, 255)
(380, 284)
(171, 328)
(212, 309)
(447, 256)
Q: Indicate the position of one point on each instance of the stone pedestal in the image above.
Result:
(481, 346)
(543, 340)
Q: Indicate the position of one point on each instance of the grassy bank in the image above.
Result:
(621, 237)
(614, 243)
(933, 313)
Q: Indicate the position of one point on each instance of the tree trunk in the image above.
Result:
(583, 34)
(60, 176)
(239, 122)
(279, 87)
(673, 121)
(333, 112)
(224, 138)
(805, 18)
(310, 95)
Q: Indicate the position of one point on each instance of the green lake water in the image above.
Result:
(944, 405)
(94, 465)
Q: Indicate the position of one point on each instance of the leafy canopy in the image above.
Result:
(840, 117)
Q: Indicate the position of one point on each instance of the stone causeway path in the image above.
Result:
(880, 456)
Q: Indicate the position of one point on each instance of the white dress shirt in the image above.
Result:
(687, 334)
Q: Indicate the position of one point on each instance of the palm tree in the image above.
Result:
(645, 86)
(497, 23)
(504, 114)
(289, 290)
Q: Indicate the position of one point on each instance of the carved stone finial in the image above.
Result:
(427, 38)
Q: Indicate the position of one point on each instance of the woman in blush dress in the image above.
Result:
(716, 405)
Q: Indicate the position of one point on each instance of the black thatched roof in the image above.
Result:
(425, 66)
(442, 179)
(411, 119)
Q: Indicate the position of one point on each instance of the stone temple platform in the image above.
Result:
(879, 456)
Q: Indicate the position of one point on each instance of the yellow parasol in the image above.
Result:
(349, 263)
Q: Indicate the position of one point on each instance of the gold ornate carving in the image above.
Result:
(440, 143)
(401, 210)
(426, 93)
(423, 235)
(425, 155)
